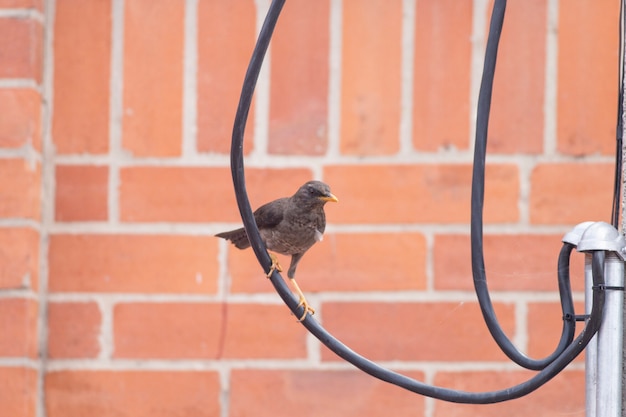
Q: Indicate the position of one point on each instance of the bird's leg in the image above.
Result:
(302, 301)
(275, 266)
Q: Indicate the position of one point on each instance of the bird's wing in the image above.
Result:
(270, 214)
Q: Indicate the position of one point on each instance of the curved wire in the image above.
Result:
(567, 301)
(238, 172)
(619, 129)
(477, 203)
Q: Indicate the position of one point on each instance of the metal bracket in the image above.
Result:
(592, 236)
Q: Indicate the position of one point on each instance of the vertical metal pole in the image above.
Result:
(609, 337)
(591, 353)
(603, 358)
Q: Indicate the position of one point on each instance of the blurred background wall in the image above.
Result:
(115, 124)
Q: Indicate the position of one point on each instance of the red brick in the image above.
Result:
(571, 193)
(513, 263)
(319, 393)
(410, 193)
(82, 61)
(396, 261)
(370, 80)
(516, 122)
(132, 393)
(545, 322)
(20, 114)
(19, 258)
(221, 70)
(18, 391)
(587, 73)
(299, 79)
(73, 330)
(563, 396)
(153, 77)
(133, 263)
(442, 74)
(81, 193)
(263, 331)
(22, 48)
(172, 330)
(399, 331)
(195, 194)
(208, 331)
(20, 197)
(18, 321)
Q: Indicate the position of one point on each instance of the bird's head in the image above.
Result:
(317, 192)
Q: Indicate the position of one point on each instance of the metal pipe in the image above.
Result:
(574, 237)
(609, 341)
(604, 361)
(591, 353)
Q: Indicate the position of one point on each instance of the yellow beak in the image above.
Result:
(330, 198)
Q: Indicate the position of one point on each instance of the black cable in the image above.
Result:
(619, 130)
(567, 301)
(237, 168)
(477, 203)
(236, 150)
(551, 370)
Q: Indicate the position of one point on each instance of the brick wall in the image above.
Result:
(115, 122)
(21, 208)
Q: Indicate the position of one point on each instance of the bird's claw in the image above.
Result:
(274, 267)
(306, 308)
(302, 302)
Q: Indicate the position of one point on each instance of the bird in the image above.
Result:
(289, 226)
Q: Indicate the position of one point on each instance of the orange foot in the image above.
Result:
(275, 266)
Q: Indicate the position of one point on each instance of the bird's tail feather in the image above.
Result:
(238, 237)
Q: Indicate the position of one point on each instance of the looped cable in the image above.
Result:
(476, 226)
(571, 350)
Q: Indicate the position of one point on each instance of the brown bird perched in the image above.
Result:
(290, 226)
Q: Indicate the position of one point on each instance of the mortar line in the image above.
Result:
(480, 19)
(23, 293)
(409, 11)
(20, 223)
(224, 398)
(22, 13)
(334, 78)
(269, 297)
(520, 336)
(429, 403)
(430, 261)
(262, 93)
(105, 337)
(20, 363)
(211, 228)
(428, 367)
(190, 79)
(47, 199)
(282, 161)
(525, 171)
(116, 86)
(223, 274)
(21, 83)
(551, 79)
(26, 152)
